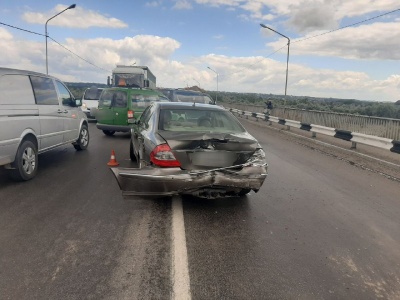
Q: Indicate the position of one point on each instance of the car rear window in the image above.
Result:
(182, 120)
(113, 98)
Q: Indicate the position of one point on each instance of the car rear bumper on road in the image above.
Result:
(151, 181)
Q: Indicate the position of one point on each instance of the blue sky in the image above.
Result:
(179, 39)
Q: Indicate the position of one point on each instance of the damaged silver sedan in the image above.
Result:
(191, 148)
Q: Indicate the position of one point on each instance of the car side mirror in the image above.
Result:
(78, 102)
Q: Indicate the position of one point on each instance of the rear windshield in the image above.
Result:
(198, 120)
(113, 98)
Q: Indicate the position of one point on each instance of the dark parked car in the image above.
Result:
(180, 95)
(189, 148)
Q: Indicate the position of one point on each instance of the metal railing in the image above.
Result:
(381, 127)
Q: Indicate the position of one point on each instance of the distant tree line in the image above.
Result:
(350, 106)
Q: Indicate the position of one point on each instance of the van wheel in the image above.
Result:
(26, 162)
(108, 132)
(83, 140)
(132, 152)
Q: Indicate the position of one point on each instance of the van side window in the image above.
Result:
(16, 89)
(44, 90)
(66, 98)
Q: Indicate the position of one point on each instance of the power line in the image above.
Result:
(85, 60)
(343, 27)
(22, 29)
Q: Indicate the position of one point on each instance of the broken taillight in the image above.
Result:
(162, 156)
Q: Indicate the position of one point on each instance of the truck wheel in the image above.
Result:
(108, 132)
(83, 140)
(26, 162)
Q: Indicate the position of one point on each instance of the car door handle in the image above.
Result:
(62, 111)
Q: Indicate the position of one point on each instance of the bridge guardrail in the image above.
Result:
(348, 135)
(380, 127)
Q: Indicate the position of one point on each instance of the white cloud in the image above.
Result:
(236, 74)
(74, 18)
(218, 37)
(375, 41)
(182, 4)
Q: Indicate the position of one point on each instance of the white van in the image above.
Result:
(37, 113)
(90, 101)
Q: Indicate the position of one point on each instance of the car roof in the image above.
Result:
(191, 105)
(4, 71)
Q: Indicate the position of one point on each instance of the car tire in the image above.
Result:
(83, 140)
(108, 132)
(26, 162)
(132, 152)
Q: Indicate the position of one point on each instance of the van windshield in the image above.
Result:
(92, 94)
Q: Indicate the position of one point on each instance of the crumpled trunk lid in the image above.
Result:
(202, 151)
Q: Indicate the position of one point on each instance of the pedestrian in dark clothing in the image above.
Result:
(268, 107)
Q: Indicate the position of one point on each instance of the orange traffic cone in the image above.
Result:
(113, 161)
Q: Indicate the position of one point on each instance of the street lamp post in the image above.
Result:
(287, 60)
(216, 97)
(45, 29)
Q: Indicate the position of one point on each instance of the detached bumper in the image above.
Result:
(151, 181)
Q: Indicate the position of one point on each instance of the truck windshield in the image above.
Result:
(129, 80)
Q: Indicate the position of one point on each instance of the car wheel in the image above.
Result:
(244, 192)
(132, 152)
(83, 140)
(108, 132)
(26, 162)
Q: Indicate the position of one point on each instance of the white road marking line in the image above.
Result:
(179, 268)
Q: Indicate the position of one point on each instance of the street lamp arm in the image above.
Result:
(69, 7)
(265, 26)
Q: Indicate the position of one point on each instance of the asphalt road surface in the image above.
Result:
(325, 225)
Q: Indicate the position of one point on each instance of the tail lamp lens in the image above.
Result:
(162, 156)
